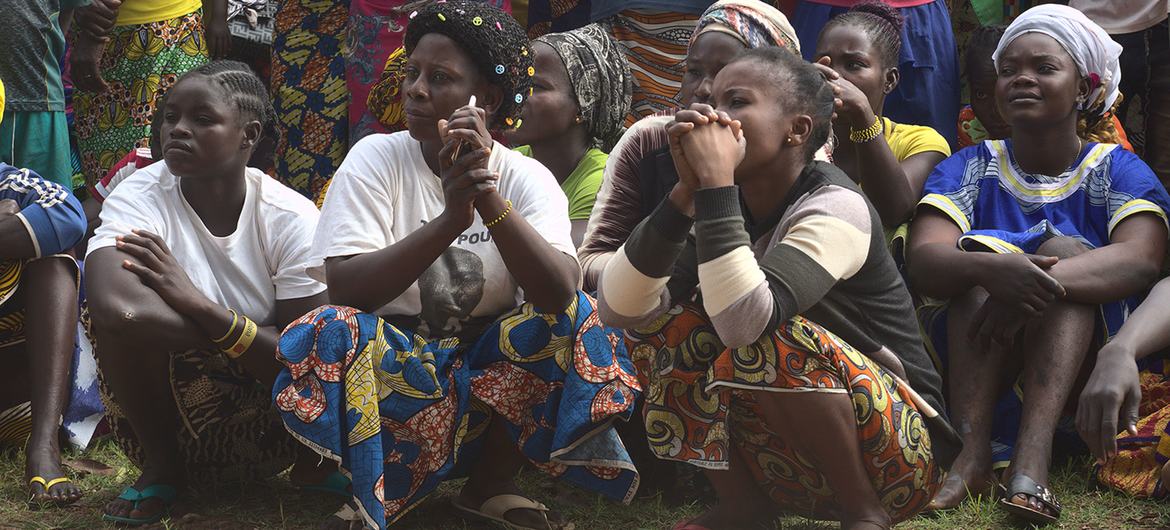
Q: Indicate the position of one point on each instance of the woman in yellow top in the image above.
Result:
(858, 53)
(581, 93)
(126, 55)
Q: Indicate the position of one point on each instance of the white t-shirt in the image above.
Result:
(263, 261)
(384, 190)
(1118, 17)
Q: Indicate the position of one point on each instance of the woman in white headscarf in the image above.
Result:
(1039, 245)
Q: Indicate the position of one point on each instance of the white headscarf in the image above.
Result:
(1095, 53)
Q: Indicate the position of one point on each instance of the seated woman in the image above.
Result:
(730, 377)
(581, 93)
(1030, 240)
(465, 349)
(1124, 410)
(981, 120)
(639, 172)
(39, 222)
(858, 52)
(197, 261)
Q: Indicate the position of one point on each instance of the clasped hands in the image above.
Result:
(706, 145)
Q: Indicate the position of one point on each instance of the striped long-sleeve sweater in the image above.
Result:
(822, 254)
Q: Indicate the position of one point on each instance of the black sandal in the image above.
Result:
(1024, 485)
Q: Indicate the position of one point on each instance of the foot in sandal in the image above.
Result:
(47, 483)
(507, 504)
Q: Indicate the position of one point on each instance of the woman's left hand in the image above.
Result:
(157, 268)
(851, 104)
(714, 147)
(1109, 402)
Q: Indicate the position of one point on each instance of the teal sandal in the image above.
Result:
(335, 484)
(163, 492)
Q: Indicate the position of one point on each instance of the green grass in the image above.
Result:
(275, 504)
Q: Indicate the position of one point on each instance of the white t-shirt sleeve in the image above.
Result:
(292, 249)
(135, 204)
(536, 196)
(357, 215)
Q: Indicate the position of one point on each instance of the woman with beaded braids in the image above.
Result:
(198, 262)
(459, 345)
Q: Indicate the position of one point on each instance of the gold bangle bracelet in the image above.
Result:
(232, 329)
(497, 220)
(245, 341)
(868, 133)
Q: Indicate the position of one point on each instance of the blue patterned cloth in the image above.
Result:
(402, 414)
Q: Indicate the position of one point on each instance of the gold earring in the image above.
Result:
(578, 120)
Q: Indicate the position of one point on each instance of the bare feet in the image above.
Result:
(473, 496)
(43, 459)
(969, 476)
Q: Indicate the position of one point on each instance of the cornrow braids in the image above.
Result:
(881, 22)
(802, 88)
(493, 40)
(246, 91)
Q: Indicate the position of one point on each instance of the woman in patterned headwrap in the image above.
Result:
(628, 194)
(581, 93)
(477, 353)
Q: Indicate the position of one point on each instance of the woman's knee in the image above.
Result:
(1062, 247)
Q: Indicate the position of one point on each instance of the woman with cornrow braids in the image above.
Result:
(198, 262)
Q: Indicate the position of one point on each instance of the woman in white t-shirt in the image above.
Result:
(465, 348)
(198, 262)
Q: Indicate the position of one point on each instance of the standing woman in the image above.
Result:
(125, 56)
(639, 172)
(198, 261)
(581, 93)
(858, 52)
(460, 345)
(1041, 244)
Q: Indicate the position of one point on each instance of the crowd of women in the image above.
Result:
(422, 242)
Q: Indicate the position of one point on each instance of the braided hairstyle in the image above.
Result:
(880, 22)
(493, 40)
(803, 90)
(245, 90)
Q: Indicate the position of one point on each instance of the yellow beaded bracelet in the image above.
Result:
(497, 220)
(868, 133)
(245, 341)
(235, 320)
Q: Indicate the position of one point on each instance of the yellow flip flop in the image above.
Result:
(33, 503)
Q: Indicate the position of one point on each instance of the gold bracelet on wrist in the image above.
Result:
(868, 133)
(232, 329)
(497, 220)
(245, 341)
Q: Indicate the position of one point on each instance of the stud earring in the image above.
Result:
(578, 120)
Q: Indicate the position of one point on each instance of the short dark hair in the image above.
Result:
(881, 22)
(495, 42)
(982, 46)
(802, 88)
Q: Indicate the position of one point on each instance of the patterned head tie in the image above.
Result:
(751, 22)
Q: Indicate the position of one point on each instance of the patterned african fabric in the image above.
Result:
(227, 429)
(309, 93)
(971, 130)
(701, 405)
(1136, 468)
(656, 48)
(140, 63)
(402, 414)
(84, 409)
(600, 79)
